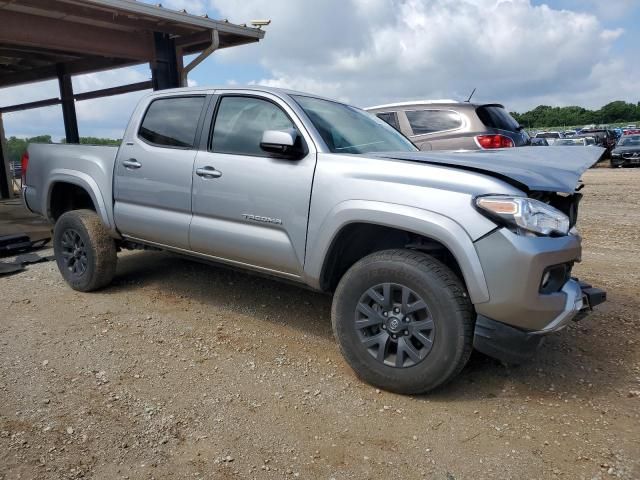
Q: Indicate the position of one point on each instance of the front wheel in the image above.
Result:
(403, 321)
(85, 252)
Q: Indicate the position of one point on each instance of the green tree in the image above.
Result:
(17, 146)
(547, 116)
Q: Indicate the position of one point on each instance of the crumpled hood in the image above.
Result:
(550, 169)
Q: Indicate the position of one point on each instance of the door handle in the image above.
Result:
(131, 164)
(208, 172)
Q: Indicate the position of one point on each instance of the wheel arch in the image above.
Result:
(397, 223)
(75, 180)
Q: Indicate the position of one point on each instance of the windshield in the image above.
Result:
(347, 129)
(548, 135)
(630, 141)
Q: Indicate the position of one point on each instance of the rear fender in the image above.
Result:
(63, 175)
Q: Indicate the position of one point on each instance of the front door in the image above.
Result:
(153, 173)
(250, 208)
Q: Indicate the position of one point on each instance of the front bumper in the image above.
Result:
(625, 161)
(514, 267)
(515, 345)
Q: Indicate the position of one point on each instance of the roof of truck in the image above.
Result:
(255, 88)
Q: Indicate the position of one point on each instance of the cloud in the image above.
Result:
(611, 10)
(377, 51)
(608, 35)
(196, 7)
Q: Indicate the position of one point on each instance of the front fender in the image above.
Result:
(422, 222)
(63, 175)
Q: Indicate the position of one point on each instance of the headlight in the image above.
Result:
(522, 213)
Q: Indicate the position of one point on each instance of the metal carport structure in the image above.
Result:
(56, 39)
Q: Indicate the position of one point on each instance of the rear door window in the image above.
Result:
(494, 116)
(172, 122)
(431, 121)
(391, 118)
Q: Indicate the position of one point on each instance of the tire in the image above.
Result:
(84, 250)
(447, 321)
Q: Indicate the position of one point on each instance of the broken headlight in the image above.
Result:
(523, 214)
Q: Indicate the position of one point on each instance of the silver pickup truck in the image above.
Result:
(427, 255)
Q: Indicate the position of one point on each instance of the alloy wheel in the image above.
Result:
(394, 325)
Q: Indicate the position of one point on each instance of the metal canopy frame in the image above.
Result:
(56, 39)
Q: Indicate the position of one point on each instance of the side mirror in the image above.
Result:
(283, 144)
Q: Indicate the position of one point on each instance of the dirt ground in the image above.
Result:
(182, 370)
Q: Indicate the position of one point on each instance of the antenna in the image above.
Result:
(469, 99)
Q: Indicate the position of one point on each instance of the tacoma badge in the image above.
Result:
(259, 218)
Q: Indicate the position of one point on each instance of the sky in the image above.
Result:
(521, 53)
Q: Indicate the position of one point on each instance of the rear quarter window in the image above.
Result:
(493, 116)
(391, 118)
(172, 122)
(431, 121)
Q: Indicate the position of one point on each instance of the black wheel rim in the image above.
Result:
(74, 252)
(394, 325)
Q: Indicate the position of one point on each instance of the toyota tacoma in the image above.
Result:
(427, 254)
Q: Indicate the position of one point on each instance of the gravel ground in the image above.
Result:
(182, 370)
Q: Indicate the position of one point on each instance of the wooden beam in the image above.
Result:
(71, 132)
(29, 105)
(6, 182)
(83, 12)
(51, 57)
(79, 97)
(88, 65)
(38, 53)
(35, 31)
(108, 92)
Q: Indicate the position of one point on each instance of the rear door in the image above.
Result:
(250, 208)
(153, 173)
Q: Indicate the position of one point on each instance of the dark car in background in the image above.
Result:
(604, 137)
(539, 142)
(627, 152)
(451, 125)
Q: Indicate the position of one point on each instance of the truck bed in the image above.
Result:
(88, 166)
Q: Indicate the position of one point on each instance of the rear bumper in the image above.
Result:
(515, 345)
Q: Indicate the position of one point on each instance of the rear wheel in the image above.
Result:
(403, 321)
(84, 250)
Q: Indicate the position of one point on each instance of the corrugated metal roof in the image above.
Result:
(91, 35)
